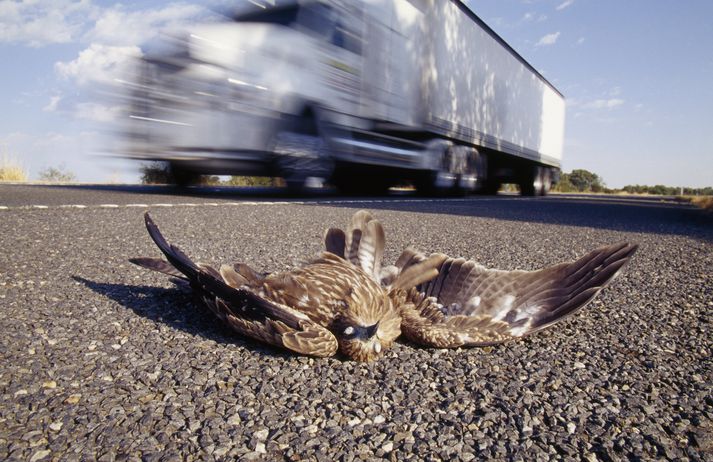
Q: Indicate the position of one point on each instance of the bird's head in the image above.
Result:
(368, 325)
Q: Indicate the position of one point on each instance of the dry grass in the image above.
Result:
(11, 170)
(704, 202)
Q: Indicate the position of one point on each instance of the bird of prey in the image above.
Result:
(344, 300)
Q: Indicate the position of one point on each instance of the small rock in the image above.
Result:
(49, 384)
(56, 426)
(354, 421)
(578, 365)
(20, 393)
(261, 435)
(260, 448)
(73, 399)
(388, 447)
(39, 455)
(571, 427)
(379, 419)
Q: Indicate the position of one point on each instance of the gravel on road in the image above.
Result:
(102, 360)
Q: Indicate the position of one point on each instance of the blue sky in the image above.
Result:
(637, 75)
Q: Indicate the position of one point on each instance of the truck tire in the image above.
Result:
(531, 181)
(299, 156)
(441, 182)
(473, 173)
(300, 153)
(546, 181)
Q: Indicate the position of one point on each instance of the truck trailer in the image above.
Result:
(364, 94)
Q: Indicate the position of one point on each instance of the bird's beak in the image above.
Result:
(371, 330)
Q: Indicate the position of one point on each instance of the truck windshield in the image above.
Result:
(316, 18)
(284, 16)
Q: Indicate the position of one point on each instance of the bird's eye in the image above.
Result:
(349, 330)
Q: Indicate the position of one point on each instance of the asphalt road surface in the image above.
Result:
(102, 360)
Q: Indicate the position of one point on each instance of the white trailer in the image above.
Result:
(364, 93)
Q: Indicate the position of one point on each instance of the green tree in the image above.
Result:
(586, 181)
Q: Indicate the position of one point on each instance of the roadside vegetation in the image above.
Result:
(56, 175)
(588, 182)
(11, 170)
(160, 173)
(584, 181)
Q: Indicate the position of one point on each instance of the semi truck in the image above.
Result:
(363, 94)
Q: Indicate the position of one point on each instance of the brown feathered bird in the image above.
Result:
(344, 300)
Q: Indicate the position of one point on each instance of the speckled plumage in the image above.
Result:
(344, 300)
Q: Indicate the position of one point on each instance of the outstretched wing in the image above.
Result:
(470, 305)
(232, 296)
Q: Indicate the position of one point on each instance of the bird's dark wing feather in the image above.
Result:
(470, 305)
(157, 264)
(241, 306)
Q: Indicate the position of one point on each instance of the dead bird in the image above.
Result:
(344, 300)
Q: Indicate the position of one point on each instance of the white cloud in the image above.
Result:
(564, 5)
(549, 39)
(604, 103)
(97, 63)
(42, 22)
(97, 112)
(52, 105)
(533, 17)
(117, 26)
(580, 40)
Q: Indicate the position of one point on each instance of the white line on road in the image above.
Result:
(233, 204)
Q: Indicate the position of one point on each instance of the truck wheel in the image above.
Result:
(441, 182)
(299, 156)
(531, 181)
(472, 172)
(546, 181)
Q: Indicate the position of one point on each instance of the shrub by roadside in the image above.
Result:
(11, 170)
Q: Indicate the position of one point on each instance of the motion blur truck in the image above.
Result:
(363, 93)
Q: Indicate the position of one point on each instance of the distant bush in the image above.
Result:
(56, 175)
(11, 169)
(156, 173)
(161, 173)
(662, 190)
(254, 181)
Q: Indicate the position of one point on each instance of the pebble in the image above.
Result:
(261, 435)
(39, 455)
(56, 426)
